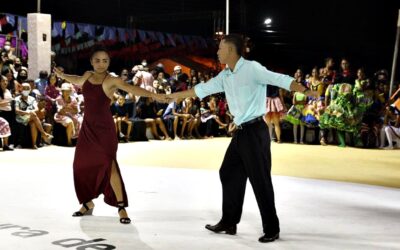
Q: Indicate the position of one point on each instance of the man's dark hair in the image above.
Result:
(237, 41)
(97, 48)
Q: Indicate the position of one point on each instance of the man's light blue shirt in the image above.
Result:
(245, 88)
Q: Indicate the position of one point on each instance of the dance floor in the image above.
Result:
(174, 190)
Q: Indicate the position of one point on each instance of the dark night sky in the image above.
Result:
(305, 31)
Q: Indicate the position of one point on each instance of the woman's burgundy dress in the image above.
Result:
(96, 149)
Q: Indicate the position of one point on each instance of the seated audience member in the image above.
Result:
(147, 111)
(121, 115)
(5, 132)
(6, 100)
(172, 114)
(42, 82)
(208, 117)
(67, 113)
(192, 108)
(25, 109)
(52, 92)
(391, 129)
(13, 85)
(42, 114)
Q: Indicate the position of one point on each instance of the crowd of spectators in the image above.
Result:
(351, 109)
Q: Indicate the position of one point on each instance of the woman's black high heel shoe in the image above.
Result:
(125, 220)
(88, 211)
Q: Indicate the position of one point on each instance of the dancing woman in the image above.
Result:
(96, 170)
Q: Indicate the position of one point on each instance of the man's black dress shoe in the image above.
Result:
(265, 238)
(220, 227)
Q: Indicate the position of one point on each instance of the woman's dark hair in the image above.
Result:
(52, 75)
(127, 71)
(160, 91)
(237, 41)
(97, 48)
(19, 79)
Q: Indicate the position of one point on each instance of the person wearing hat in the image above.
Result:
(67, 113)
(177, 69)
(25, 109)
(177, 72)
(145, 65)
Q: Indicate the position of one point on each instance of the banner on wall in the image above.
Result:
(70, 32)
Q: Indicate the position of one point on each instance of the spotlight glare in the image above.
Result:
(268, 21)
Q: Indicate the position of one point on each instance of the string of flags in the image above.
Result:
(79, 36)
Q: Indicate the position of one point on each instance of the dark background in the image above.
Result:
(305, 32)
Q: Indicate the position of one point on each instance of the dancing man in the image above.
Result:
(248, 155)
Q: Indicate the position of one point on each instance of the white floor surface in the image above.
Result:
(170, 206)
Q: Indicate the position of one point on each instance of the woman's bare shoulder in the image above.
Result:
(114, 80)
(87, 73)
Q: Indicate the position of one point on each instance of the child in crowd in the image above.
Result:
(121, 115)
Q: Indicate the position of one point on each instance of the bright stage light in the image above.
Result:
(268, 21)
